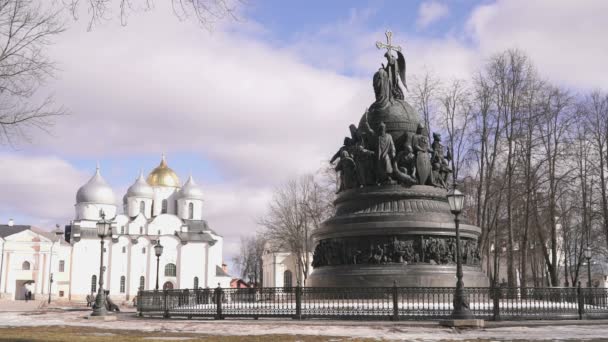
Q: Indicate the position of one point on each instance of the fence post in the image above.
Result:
(581, 301)
(218, 301)
(495, 303)
(298, 301)
(395, 302)
(140, 313)
(166, 294)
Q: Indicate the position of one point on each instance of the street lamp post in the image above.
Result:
(461, 307)
(158, 250)
(588, 257)
(104, 229)
(58, 233)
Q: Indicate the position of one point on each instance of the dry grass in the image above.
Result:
(76, 334)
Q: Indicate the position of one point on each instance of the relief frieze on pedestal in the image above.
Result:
(395, 249)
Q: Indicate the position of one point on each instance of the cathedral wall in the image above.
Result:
(118, 267)
(215, 259)
(193, 255)
(90, 211)
(137, 226)
(134, 206)
(183, 210)
(85, 264)
(164, 193)
(140, 265)
(165, 224)
(169, 255)
(119, 227)
(62, 276)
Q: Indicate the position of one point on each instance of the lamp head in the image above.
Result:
(456, 201)
(587, 252)
(158, 248)
(104, 228)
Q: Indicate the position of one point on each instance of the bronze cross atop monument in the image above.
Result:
(388, 46)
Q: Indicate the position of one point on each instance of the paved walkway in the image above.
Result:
(20, 305)
(408, 330)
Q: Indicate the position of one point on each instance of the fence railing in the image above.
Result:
(382, 303)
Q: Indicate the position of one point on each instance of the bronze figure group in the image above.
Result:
(371, 158)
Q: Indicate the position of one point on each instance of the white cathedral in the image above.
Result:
(156, 208)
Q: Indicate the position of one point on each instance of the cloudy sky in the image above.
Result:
(255, 102)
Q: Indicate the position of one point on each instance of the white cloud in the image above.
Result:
(43, 188)
(565, 39)
(170, 86)
(430, 12)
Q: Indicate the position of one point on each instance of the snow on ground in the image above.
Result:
(420, 331)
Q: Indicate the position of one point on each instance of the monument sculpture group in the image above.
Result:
(392, 219)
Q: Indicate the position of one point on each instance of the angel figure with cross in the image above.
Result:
(395, 67)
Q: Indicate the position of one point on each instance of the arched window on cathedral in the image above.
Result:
(25, 266)
(287, 280)
(191, 211)
(170, 270)
(163, 210)
(142, 283)
(142, 207)
(122, 284)
(195, 283)
(122, 229)
(94, 283)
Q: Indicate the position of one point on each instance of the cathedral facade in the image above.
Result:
(155, 208)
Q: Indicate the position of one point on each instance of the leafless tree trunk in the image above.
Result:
(554, 129)
(26, 30)
(596, 112)
(527, 145)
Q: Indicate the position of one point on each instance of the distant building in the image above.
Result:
(238, 283)
(280, 267)
(28, 253)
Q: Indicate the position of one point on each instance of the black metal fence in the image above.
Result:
(381, 303)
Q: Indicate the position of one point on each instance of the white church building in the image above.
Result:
(155, 208)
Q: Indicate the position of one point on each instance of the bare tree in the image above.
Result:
(205, 12)
(510, 73)
(26, 30)
(488, 126)
(424, 95)
(595, 109)
(297, 208)
(249, 259)
(456, 116)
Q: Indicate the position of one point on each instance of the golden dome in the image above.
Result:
(162, 175)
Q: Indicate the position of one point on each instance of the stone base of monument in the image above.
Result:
(385, 234)
(463, 323)
(101, 318)
(413, 275)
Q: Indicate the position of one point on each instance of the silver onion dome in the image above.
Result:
(140, 188)
(96, 191)
(191, 191)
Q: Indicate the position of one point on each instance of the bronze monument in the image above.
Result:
(392, 220)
